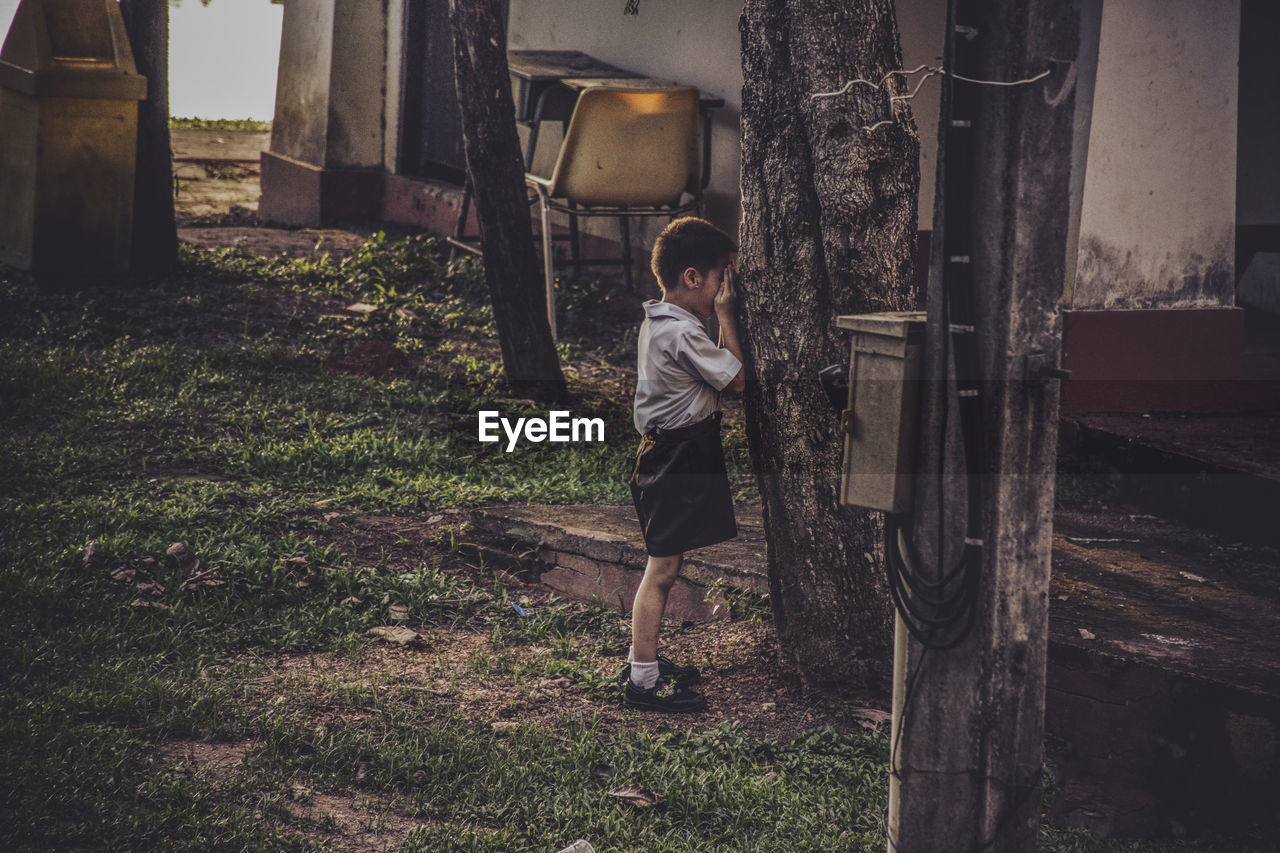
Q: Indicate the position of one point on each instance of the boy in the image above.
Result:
(679, 484)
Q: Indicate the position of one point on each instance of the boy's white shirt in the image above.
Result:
(680, 370)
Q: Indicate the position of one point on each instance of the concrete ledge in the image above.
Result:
(596, 552)
(298, 193)
(1167, 360)
(1220, 473)
(429, 205)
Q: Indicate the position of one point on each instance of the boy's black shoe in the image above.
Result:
(666, 669)
(663, 696)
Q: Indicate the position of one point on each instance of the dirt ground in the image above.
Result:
(217, 184)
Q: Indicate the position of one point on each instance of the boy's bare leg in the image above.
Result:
(651, 602)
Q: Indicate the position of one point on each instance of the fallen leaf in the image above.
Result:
(188, 562)
(348, 600)
(634, 795)
(1170, 641)
(398, 613)
(142, 602)
(1189, 576)
(871, 717)
(1088, 540)
(297, 564)
(206, 578)
(124, 573)
(433, 519)
(361, 308)
(396, 634)
(91, 555)
(1086, 634)
(503, 726)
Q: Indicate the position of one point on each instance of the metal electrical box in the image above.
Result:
(879, 423)
(69, 93)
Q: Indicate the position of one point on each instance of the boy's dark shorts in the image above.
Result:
(681, 489)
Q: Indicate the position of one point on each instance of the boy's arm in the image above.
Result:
(725, 302)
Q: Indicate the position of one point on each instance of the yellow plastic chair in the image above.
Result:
(627, 152)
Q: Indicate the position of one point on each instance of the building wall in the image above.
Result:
(1157, 217)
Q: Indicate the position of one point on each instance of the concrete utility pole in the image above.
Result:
(967, 747)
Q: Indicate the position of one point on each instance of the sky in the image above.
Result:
(222, 57)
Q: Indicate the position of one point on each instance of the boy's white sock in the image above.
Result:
(644, 675)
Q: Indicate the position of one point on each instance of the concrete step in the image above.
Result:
(1220, 473)
(1164, 674)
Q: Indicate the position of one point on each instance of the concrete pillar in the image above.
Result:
(327, 140)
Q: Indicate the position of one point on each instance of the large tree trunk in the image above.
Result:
(828, 228)
(155, 234)
(497, 177)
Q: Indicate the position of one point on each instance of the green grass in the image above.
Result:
(196, 123)
(197, 409)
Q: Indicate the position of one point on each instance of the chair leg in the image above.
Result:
(626, 253)
(575, 247)
(548, 271)
(460, 226)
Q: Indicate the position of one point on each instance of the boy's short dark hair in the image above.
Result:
(688, 242)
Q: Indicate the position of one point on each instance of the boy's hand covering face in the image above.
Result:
(727, 293)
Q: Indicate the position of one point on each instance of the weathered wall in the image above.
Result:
(1158, 212)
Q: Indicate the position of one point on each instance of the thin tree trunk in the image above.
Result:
(155, 234)
(497, 177)
(828, 228)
